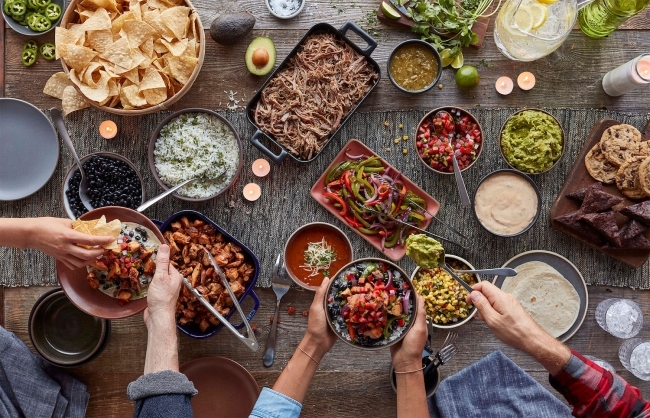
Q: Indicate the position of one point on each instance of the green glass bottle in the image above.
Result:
(602, 17)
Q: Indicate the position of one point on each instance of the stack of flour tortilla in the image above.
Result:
(549, 298)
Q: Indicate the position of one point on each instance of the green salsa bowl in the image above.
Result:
(532, 141)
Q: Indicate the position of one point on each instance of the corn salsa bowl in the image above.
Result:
(444, 298)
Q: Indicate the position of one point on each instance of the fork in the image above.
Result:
(281, 284)
(446, 353)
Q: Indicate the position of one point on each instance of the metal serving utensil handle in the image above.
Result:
(251, 343)
(249, 330)
(462, 190)
(508, 272)
(161, 196)
(269, 353)
(458, 279)
(57, 118)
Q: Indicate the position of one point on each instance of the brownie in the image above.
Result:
(605, 224)
(599, 201)
(579, 195)
(631, 230)
(639, 242)
(639, 212)
(572, 221)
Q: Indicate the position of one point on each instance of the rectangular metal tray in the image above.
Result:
(317, 28)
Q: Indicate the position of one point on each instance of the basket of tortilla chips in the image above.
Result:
(129, 57)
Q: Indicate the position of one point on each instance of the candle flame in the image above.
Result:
(261, 166)
(503, 84)
(250, 192)
(526, 78)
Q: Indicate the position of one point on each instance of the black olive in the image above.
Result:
(102, 281)
(131, 233)
(106, 286)
(144, 239)
(137, 237)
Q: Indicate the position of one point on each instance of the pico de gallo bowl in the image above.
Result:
(446, 131)
(371, 303)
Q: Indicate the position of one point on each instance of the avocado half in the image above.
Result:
(260, 56)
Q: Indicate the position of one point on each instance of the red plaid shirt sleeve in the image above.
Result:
(595, 392)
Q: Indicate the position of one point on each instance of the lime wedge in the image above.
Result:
(524, 19)
(539, 13)
(458, 61)
(389, 11)
(445, 56)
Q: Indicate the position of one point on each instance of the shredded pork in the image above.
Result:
(304, 103)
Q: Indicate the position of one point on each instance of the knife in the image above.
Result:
(396, 4)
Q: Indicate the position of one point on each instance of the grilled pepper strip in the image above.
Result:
(338, 199)
(391, 240)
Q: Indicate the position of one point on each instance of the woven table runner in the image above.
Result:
(265, 225)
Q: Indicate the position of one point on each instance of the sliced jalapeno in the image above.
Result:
(41, 3)
(48, 51)
(18, 8)
(28, 57)
(52, 11)
(6, 5)
(39, 23)
(31, 44)
(31, 5)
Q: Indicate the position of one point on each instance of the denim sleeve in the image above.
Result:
(272, 404)
(164, 406)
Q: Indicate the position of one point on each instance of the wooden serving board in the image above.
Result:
(578, 178)
(480, 27)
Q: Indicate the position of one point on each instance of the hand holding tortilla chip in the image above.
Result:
(100, 228)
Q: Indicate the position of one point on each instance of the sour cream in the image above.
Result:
(505, 203)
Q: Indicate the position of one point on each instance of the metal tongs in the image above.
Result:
(446, 225)
(250, 341)
(431, 234)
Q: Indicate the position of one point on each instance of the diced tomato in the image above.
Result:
(352, 332)
(291, 310)
(400, 322)
(305, 313)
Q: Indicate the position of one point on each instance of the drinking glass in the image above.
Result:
(622, 318)
(635, 356)
(602, 363)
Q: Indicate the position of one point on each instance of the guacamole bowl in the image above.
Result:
(532, 141)
(445, 131)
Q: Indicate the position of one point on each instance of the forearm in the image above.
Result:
(162, 344)
(296, 376)
(16, 232)
(548, 351)
(411, 396)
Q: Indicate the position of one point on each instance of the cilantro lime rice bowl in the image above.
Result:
(195, 143)
(370, 304)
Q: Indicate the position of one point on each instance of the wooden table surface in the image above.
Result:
(570, 77)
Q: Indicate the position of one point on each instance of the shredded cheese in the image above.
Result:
(319, 256)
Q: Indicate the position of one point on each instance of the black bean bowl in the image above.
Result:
(125, 195)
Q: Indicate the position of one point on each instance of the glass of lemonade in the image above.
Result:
(527, 30)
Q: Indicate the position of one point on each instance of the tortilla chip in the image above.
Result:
(78, 57)
(118, 23)
(100, 20)
(109, 5)
(133, 75)
(132, 96)
(181, 68)
(152, 80)
(120, 54)
(176, 19)
(99, 92)
(72, 100)
(56, 84)
(99, 227)
(155, 96)
(137, 32)
(177, 47)
(100, 40)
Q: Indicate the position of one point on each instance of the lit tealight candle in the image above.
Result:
(526, 80)
(504, 85)
(108, 129)
(252, 192)
(261, 167)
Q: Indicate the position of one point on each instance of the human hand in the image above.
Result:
(504, 315)
(55, 237)
(407, 354)
(163, 290)
(319, 337)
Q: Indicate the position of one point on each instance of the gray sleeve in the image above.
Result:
(160, 383)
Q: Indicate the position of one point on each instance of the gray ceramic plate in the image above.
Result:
(566, 269)
(29, 148)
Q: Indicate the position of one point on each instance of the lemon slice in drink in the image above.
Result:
(524, 18)
(445, 57)
(540, 14)
(547, 1)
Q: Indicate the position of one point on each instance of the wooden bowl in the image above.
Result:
(69, 17)
(93, 301)
(448, 109)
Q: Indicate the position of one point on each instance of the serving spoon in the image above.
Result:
(506, 271)
(57, 118)
(164, 194)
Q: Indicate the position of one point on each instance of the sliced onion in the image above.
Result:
(390, 279)
(345, 309)
(405, 301)
(354, 157)
(383, 241)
